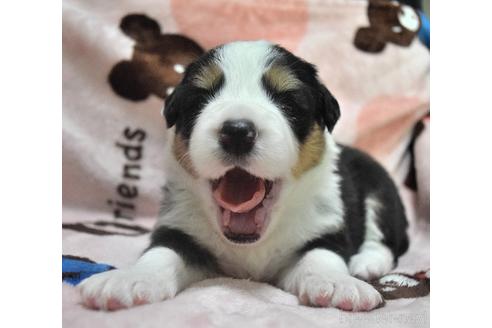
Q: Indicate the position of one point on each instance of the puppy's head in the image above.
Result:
(248, 117)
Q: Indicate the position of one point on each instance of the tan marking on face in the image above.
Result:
(281, 79)
(208, 76)
(310, 152)
(180, 151)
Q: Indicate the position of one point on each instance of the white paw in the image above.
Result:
(117, 289)
(341, 291)
(370, 264)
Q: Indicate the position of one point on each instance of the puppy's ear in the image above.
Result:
(328, 107)
(139, 27)
(126, 81)
(170, 111)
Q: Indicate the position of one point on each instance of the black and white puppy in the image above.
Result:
(257, 188)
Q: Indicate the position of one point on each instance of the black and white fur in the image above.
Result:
(334, 227)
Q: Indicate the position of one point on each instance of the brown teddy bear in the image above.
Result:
(158, 60)
(389, 21)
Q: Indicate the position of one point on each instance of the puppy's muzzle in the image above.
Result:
(237, 137)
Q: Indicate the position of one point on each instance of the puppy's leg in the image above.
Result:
(166, 268)
(374, 258)
(159, 274)
(321, 278)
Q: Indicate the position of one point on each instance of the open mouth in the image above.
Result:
(245, 202)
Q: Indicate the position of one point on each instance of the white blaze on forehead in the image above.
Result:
(408, 18)
(243, 64)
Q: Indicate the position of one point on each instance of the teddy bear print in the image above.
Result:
(389, 21)
(158, 61)
(401, 285)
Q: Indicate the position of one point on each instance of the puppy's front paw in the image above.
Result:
(117, 289)
(371, 264)
(340, 291)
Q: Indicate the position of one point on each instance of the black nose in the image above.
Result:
(237, 137)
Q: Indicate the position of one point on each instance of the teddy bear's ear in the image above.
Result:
(139, 27)
(126, 82)
(368, 39)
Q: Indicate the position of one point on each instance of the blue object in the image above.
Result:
(75, 269)
(424, 32)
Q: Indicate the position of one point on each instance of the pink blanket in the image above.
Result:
(113, 133)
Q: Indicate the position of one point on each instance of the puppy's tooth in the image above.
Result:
(259, 216)
(226, 218)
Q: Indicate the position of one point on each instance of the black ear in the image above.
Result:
(328, 107)
(170, 111)
(125, 80)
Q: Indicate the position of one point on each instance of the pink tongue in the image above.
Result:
(239, 193)
(240, 223)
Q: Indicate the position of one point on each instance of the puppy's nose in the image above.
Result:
(237, 137)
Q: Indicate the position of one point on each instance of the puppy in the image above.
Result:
(258, 189)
